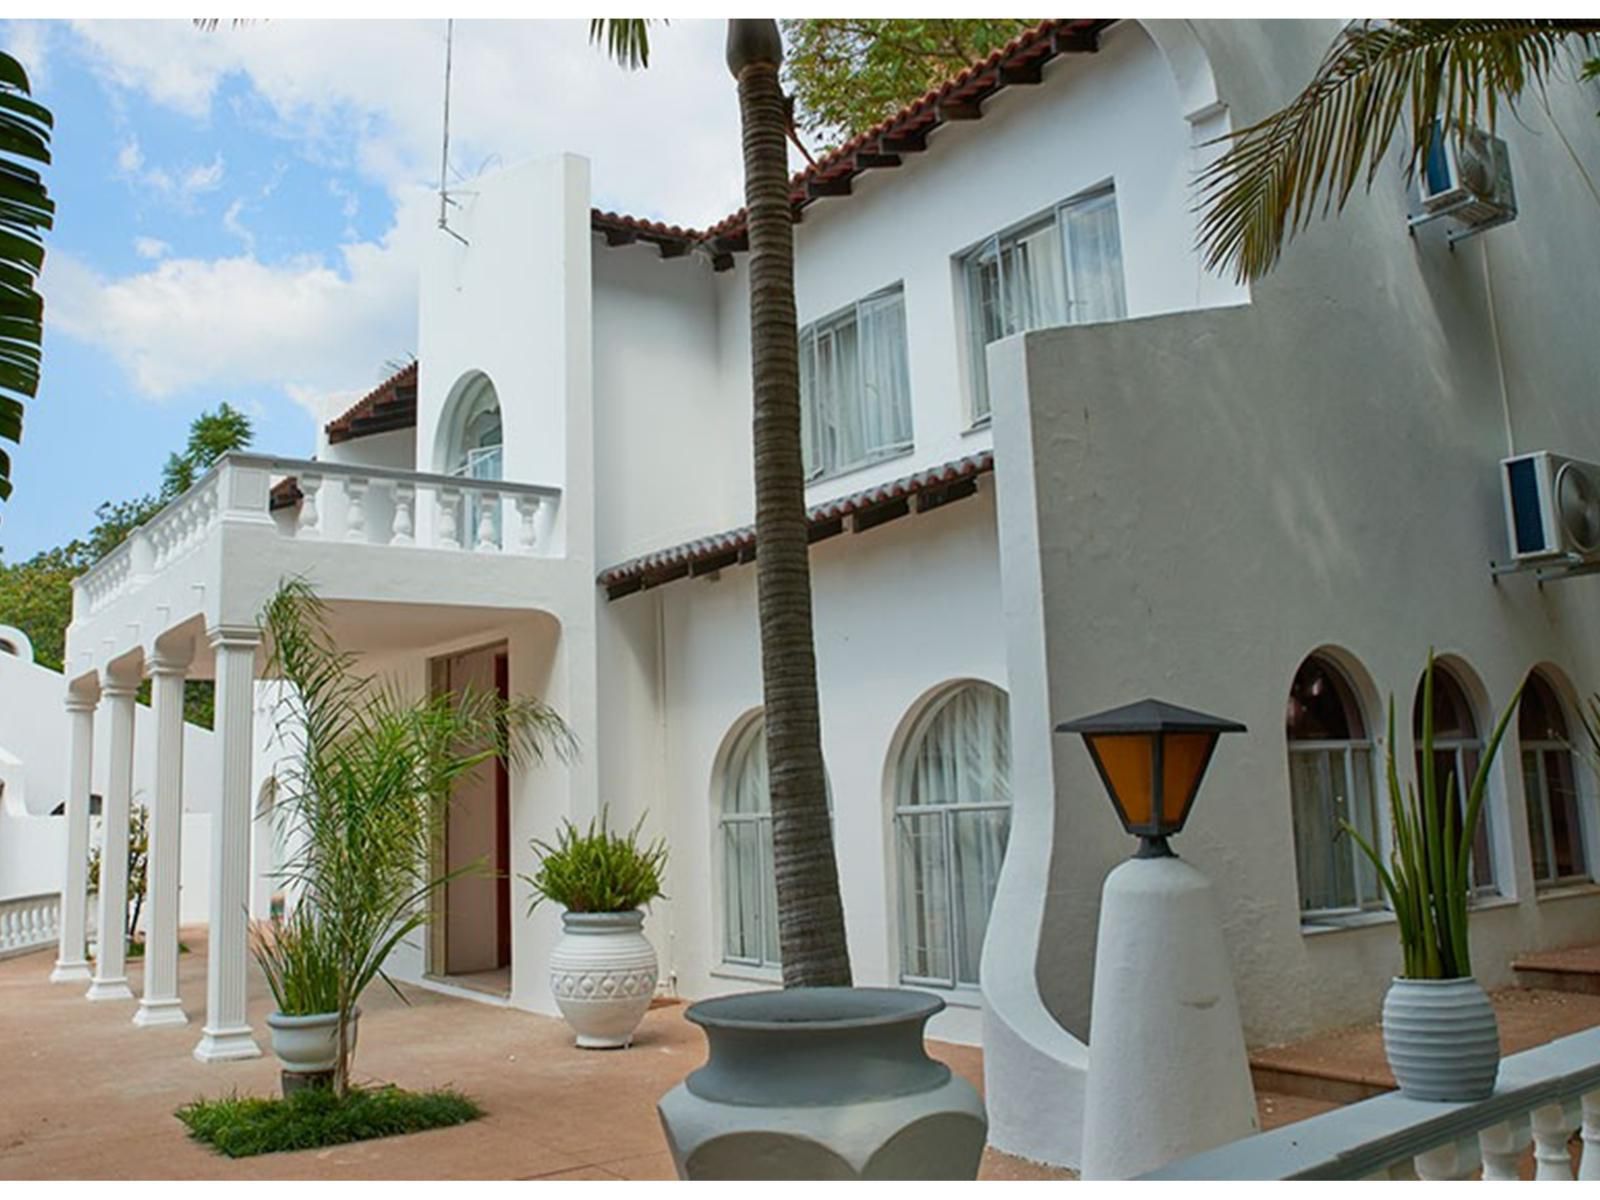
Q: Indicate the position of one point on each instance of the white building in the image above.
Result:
(1227, 499)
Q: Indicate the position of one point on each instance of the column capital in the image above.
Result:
(233, 635)
(115, 688)
(167, 663)
(74, 703)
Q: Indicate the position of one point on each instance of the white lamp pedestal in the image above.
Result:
(1168, 1074)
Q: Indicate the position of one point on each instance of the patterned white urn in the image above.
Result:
(603, 972)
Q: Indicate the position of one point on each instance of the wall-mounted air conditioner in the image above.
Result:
(1470, 183)
(1552, 506)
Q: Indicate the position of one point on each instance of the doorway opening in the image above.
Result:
(470, 941)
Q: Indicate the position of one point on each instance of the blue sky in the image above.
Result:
(240, 213)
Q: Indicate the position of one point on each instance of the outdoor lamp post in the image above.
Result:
(1168, 1076)
(1151, 756)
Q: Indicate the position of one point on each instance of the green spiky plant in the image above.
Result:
(597, 871)
(371, 776)
(298, 954)
(1427, 879)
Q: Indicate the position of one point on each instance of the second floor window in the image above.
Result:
(1063, 269)
(855, 390)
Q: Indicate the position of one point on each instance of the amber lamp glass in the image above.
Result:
(1151, 757)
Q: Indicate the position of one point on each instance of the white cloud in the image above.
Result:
(130, 158)
(307, 326)
(26, 42)
(202, 179)
(182, 187)
(232, 223)
(152, 248)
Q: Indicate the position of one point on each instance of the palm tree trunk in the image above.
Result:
(811, 931)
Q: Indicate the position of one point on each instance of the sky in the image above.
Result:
(240, 213)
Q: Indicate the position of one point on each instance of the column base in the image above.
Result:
(71, 972)
(109, 989)
(160, 1012)
(226, 1045)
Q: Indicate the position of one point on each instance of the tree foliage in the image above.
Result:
(26, 211)
(847, 73)
(1379, 80)
(138, 865)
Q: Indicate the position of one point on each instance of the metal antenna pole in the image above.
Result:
(444, 152)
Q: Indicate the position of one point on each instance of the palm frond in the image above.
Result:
(626, 39)
(26, 211)
(1307, 158)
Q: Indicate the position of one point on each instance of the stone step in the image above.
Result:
(1575, 969)
(1347, 1065)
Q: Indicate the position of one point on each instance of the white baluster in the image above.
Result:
(307, 526)
(400, 529)
(355, 519)
(488, 508)
(1551, 1129)
(1502, 1146)
(1453, 1160)
(449, 506)
(1589, 1164)
(527, 531)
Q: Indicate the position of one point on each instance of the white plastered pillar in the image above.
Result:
(226, 1034)
(72, 963)
(111, 961)
(160, 1004)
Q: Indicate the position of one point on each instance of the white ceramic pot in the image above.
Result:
(309, 1045)
(603, 972)
(1441, 1038)
(822, 1083)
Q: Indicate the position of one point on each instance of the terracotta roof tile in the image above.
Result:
(390, 405)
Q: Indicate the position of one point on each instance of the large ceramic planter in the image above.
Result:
(308, 1046)
(603, 972)
(822, 1083)
(1441, 1038)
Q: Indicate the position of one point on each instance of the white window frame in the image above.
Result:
(813, 422)
(978, 382)
(946, 814)
(1348, 749)
(769, 959)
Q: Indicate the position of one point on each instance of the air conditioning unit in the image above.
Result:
(1552, 506)
(1469, 183)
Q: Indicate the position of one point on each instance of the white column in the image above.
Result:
(1551, 1129)
(111, 962)
(160, 1004)
(72, 964)
(226, 1033)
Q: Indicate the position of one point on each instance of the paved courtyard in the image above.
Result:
(88, 1095)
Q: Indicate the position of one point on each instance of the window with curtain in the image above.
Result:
(1550, 785)
(1330, 782)
(477, 453)
(1063, 269)
(855, 386)
(952, 819)
(749, 895)
(1457, 751)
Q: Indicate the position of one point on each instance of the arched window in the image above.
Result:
(1549, 782)
(474, 447)
(952, 818)
(1330, 782)
(749, 896)
(1457, 751)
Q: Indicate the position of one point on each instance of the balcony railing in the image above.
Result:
(371, 505)
(1544, 1095)
(29, 922)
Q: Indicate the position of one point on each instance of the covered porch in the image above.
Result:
(406, 594)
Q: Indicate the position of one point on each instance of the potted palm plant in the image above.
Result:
(603, 971)
(372, 769)
(1439, 1029)
(299, 957)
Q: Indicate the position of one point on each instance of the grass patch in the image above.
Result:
(240, 1126)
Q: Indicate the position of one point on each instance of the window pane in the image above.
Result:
(741, 878)
(1313, 831)
(985, 321)
(769, 888)
(1094, 253)
(1566, 833)
(1032, 290)
(980, 846)
(1364, 806)
(747, 776)
(885, 403)
(924, 897)
(810, 422)
(1534, 791)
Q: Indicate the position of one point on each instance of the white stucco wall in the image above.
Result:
(1217, 494)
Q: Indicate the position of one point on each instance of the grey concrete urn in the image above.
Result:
(307, 1046)
(1441, 1038)
(822, 1083)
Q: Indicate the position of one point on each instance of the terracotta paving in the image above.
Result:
(1528, 1017)
(96, 1094)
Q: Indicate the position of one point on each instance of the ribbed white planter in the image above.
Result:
(309, 1045)
(603, 972)
(1441, 1038)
